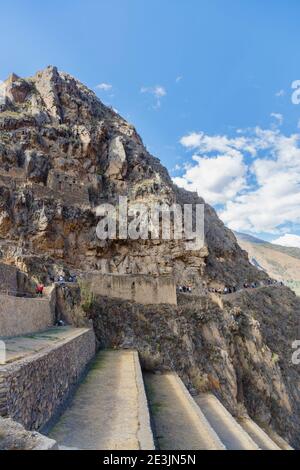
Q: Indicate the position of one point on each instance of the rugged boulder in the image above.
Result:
(13, 436)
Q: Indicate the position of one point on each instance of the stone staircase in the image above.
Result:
(258, 435)
(109, 408)
(114, 407)
(51, 380)
(182, 422)
(179, 423)
(235, 435)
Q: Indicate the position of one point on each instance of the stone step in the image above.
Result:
(257, 434)
(178, 421)
(109, 410)
(279, 441)
(231, 433)
(26, 346)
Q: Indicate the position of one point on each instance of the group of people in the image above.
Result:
(224, 290)
(272, 282)
(246, 285)
(252, 285)
(184, 289)
(61, 280)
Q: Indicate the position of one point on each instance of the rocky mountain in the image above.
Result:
(280, 262)
(62, 153)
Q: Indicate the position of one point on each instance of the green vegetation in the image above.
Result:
(87, 297)
(275, 358)
(155, 406)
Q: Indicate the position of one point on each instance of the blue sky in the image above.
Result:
(204, 82)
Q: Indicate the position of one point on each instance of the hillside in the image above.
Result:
(62, 153)
(280, 262)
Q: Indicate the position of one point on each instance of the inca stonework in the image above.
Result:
(33, 388)
(54, 131)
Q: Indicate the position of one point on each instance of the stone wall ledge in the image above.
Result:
(36, 386)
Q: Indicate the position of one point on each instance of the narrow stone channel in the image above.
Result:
(103, 414)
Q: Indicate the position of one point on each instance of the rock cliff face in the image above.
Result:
(62, 153)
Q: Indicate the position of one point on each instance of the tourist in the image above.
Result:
(61, 280)
(39, 289)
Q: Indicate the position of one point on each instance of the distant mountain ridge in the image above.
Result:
(289, 250)
(280, 262)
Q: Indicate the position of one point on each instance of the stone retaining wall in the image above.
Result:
(32, 389)
(22, 315)
(8, 277)
(143, 289)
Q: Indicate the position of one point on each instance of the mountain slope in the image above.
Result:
(282, 263)
(62, 152)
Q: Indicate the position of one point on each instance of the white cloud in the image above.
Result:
(191, 140)
(274, 198)
(255, 175)
(104, 86)
(278, 117)
(157, 91)
(288, 240)
(217, 179)
(216, 143)
(176, 167)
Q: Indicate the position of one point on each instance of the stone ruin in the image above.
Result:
(69, 185)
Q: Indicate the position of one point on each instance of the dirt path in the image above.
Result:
(105, 412)
(179, 424)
